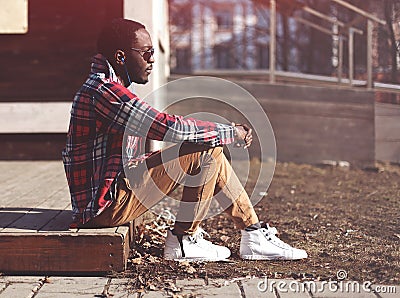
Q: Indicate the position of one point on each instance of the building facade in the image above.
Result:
(218, 34)
(223, 34)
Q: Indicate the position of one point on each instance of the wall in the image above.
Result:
(387, 127)
(311, 124)
(154, 15)
(50, 62)
(47, 65)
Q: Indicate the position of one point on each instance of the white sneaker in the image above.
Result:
(262, 244)
(193, 248)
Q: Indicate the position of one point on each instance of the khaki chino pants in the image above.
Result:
(205, 173)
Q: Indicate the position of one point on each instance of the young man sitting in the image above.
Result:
(110, 188)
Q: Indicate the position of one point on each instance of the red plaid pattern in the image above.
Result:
(102, 110)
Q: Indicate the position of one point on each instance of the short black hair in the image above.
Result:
(117, 35)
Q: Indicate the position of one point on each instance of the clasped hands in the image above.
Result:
(244, 135)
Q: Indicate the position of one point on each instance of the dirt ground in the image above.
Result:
(346, 219)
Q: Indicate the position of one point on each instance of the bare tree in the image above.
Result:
(390, 16)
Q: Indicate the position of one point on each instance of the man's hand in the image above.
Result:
(243, 135)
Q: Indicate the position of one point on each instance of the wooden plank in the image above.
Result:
(25, 218)
(33, 221)
(126, 232)
(37, 185)
(62, 252)
(59, 223)
(10, 169)
(27, 173)
(36, 225)
(44, 117)
(38, 146)
(9, 215)
(39, 181)
(36, 215)
(98, 231)
(42, 188)
(122, 230)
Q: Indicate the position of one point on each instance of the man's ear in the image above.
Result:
(119, 57)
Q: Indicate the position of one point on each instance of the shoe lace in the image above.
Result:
(198, 235)
(270, 234)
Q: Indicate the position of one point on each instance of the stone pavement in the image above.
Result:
(82, 287)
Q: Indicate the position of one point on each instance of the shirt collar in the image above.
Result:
(101, 67)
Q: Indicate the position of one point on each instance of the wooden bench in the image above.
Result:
(35, 214)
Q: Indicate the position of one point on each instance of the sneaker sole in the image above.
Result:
(196, 259)
(262, 257)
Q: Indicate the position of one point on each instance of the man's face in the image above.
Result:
(139, 62)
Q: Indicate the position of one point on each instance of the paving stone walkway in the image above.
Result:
(82, 287)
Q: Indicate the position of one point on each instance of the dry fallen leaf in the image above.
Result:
(225, 238)
(172, 287)
(136, 261)
(152, 287)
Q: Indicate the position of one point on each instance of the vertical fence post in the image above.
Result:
(272, 43)
(369, 54)
(340, 65)
(351, 56)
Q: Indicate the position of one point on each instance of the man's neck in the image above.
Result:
(118, 71)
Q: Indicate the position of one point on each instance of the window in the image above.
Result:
(262, 15)
(224, 20)
(183, 60)
(223, 57)
(183, 21)
(180, 16)
(262, 56)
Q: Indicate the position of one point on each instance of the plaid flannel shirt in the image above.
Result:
(102, 110)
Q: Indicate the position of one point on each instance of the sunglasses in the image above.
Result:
(146, 54)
